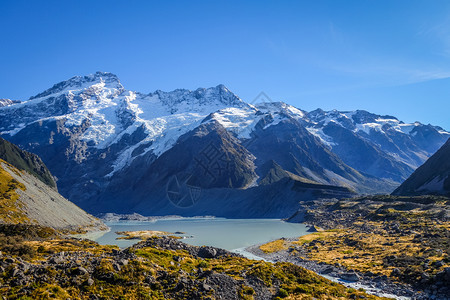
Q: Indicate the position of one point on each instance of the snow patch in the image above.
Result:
(14, 131)
(367, 127)
(325, 139)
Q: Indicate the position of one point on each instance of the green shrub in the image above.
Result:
(282, 293)
(202, 264)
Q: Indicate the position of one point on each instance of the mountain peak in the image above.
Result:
(222, 87)
(214, 97)
(6, 102)
(79, 82)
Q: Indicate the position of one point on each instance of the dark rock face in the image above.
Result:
(211, 155)
(433, 177)
(291, 146)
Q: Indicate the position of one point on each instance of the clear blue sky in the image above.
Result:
(388, 57)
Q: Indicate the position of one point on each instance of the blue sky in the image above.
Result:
(388, 57)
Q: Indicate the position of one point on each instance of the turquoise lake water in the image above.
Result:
(230, 234)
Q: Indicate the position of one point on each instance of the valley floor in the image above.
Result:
(399, 245)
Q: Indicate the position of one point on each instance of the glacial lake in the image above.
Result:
(230, 234)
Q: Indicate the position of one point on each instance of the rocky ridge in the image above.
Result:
(6, 102)
(30, 201)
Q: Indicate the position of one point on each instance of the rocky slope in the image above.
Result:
(27, 200)
(161, 152)
(433, 177)
(28, 194)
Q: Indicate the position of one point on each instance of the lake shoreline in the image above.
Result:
(228, 234)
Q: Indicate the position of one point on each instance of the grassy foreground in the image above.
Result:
(43, 267)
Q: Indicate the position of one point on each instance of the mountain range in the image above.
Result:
(207, 151)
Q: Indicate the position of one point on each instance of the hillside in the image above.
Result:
(24, 199)
(433, 177)
(26, 161)
(28, 194)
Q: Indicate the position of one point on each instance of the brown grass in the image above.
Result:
(141, 234)
(274, 246)
(10, 211)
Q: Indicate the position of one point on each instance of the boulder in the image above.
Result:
(351, 276)
(207, 252)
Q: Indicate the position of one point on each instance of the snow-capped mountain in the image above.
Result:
(106, 144)
(113, 112)
(6, 102)
(381, 146)
(385, 131)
